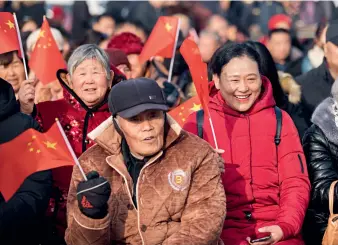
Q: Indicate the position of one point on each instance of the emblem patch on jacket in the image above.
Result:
(179, 180)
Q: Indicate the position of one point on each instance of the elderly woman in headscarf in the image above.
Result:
(84, 107)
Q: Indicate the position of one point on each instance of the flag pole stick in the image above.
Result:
(174, 51)
(21, 47)
(213, 132)
(70, 149)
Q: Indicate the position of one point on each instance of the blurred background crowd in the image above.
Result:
(293, 31)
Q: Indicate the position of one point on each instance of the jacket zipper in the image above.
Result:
(137, 199)
(126, 182)
(129, 192)
(301, 164)
(251, 178)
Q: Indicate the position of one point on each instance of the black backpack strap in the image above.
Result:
(200, 121)
(279, 125)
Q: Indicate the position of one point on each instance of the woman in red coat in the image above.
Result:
(83, 108)
(266, 184)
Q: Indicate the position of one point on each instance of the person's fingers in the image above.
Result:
(28, 82)
(29, 90)
(30, 97)
(266, 229)
(219, 151)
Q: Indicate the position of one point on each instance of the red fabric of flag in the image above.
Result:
(198, 70)
(8, 34)
(28, 153)
(181, 112)
(162, 39)
(46, 58)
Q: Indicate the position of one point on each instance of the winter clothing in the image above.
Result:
(128, 42)
(321, 150)
(135, 96)
(278, 19)
(93, 195)
(313, 59)
(265, 185)
(316, 86)
(77, 120)
(117, 57)
(179, 193)
(21, 217)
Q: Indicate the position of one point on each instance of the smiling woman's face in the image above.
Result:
(89, 82)
(240, 83)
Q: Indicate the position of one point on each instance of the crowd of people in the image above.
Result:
(260, 172)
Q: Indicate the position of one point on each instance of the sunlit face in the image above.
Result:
(144, 133)
(106, 25)
(14, 73)
(279, 46)
(240, 83)
(207, 46)
(137, 69)
(89, 82)
(220, 26)
(125, 70)
(29, 26)
(331, 55)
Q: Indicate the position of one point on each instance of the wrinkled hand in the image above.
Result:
(220, 160)
(276, 235)
(93, 195)
(26, 96)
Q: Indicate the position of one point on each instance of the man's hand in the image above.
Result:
(93, 195)
(26, 96)
(276, 235)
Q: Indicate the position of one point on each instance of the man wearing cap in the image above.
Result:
(316, 84)
(149, 182)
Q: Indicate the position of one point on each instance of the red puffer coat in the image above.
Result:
(77, 120)
(264, 185)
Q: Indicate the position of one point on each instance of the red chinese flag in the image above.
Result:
(162, 39)
(198, 70)
(28, 153)
(181, 112)
(8, 34)
(46, 58)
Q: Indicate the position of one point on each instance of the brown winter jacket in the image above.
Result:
(180, 196)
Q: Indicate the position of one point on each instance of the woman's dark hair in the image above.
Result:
(227, 52)
(269, 70)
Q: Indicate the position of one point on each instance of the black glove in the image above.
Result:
(171, 94)
(93, 195)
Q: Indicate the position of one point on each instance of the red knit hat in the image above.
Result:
(128, 42)
(117, 57)
(278, 19)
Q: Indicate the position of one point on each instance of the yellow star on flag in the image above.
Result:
(50, 145)
(196, 107)
(10, 24)
(195, 51)
(38, 151)
(31, 149)
(168, 26)
(42, 34)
